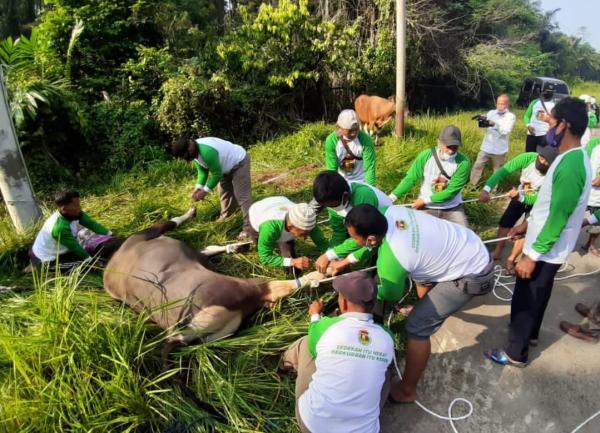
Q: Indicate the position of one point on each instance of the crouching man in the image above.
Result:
(343, 363)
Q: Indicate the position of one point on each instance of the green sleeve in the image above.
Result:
(87, 221)
(597, 214)
(530, 198)
(331, 160)
(339, 232)
(202, 174)
(529, 112)
(592, 119)
(392, 276)
(458, 181)
(518, 163)
(568, 183)
(269, 234)
(61, 232)
(414, 174)
(348, 247)
(316, 331)
(369, 157)
(362, 194)
(318, 238)
(589, 148)
(211, 158)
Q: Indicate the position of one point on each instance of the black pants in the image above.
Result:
(533, 142)
(527, 309)
(512, 213)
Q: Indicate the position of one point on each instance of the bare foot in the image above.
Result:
(400, 395)
(594, 250)
(510, 265)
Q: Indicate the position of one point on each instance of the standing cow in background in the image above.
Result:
(374, 112)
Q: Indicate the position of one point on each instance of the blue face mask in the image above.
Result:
(552, 138)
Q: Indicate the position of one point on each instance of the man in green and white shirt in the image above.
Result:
(56, 242)
(551, 230)
(219, 163)
(449, 259)
(533, 167)
(442, 179)
(350, 151)
(536, 120)
(592, 216)
(276, 222)
(331, 190)
(343, 363)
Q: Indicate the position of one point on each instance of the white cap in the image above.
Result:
(586, 98)
(302, 216)
(348, 120)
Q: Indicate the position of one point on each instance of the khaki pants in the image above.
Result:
(298, 358)
(481, 162)
(235, 190)
(456, 215)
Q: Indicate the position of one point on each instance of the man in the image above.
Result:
(551, 230)
(276, 221)
(449, 259)
(443, 171)
(223, 164)
(534, 167)
(343, 363)
(536, 120)
(331, 190)
(350, 151)
(592, 119)
(495, 143)
(593, 206)
(56, 241)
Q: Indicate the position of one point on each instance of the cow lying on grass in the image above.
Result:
(167, 278)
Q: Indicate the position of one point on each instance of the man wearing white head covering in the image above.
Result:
(276, 222)
(350, 151)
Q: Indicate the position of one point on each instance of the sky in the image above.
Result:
(575, 14)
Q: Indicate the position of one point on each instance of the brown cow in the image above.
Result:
(166, 277)
(374, 112)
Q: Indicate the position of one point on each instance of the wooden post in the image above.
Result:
(400, 66)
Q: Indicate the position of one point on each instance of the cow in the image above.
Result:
(374, 112)
(168, 279)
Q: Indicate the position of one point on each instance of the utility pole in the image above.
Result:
(400, 66)
(15, 185)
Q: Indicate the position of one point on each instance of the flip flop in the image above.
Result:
(500, 357)
(586, 312)
(578, 332)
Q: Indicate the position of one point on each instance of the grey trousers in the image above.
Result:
(482, 159)
(235, 190)
(456, 215)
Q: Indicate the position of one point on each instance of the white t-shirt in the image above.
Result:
(230, 154)
(45, 246)
(270, 208)
(353, 355)
(540, 127)
(595, 191)
(358, 173)
(497, 137)
(432, 172)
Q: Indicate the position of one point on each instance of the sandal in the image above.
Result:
(579, 332)
(586, 312)
(500, 357)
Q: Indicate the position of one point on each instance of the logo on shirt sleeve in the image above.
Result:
(363, 337)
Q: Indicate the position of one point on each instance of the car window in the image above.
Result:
(562, 88)
(527, 86)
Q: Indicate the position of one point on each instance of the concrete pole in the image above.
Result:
(15, 185)
(400, 66)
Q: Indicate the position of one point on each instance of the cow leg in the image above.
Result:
(214, 322)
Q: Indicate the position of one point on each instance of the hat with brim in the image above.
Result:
(348, 119)
(358, 287)
(450, 136)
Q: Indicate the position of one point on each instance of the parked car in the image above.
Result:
(534, 86)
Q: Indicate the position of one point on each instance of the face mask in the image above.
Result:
(552, 138)
(343, 209)
(543, 169)
(445, 157)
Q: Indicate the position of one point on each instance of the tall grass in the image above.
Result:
(71, 359)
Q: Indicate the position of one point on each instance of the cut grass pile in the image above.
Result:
(71, 359)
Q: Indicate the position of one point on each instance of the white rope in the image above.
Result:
(586, 421)
(491, 241)
(471, 200)
(317, 283)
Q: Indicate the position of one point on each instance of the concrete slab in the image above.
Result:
(555, 393)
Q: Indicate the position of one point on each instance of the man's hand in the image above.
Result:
(531, 129)
(518, 231)
(525, 267)
(315, 308)
(513, 193)
(338, 266)
(322, 264)
(484, 197)
(302, 263)
(596, 182)
(585, 223)
(491, 123)
(418, 204)
(199, 194)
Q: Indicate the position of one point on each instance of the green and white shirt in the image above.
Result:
(593, 150)
(531, 179)
(217, 157)
(341, 245)
(534, 111)
(436, 190)
(267, 217)
(426, 248)
(58, 236)
(352, 355)
(555, 220)
(362, 146)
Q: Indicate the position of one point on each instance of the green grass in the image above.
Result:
(586, 88)
(71, 359)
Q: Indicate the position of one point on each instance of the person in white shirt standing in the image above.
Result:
(536, 120)
(499, 123)
(343, 363)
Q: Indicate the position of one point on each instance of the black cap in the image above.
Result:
(357, 287)
(450, 136)
(549, 153)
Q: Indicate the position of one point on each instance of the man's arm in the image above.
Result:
(61, 233)
(392, 276)
(316, 329)
(456, 184)
(87, 221)
(318, 238)
(269, 233)
(331, 160)
(518, 163)
(369, 157)
(201, 175)
(211, 158)
(414, 174)
(592, 120)
(529, 112)
(339, 232)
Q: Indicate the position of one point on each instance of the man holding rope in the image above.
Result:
(550, 232)
(449, 259)
(593, 210)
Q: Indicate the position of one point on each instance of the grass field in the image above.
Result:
(71, 359)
